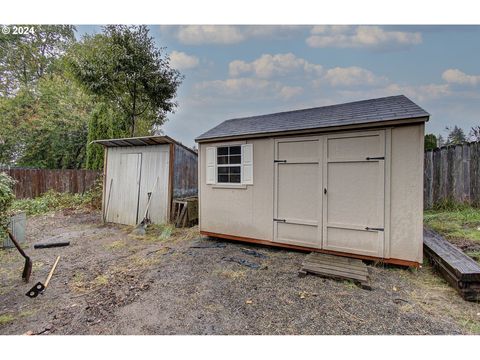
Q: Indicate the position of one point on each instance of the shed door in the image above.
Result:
(124, 169)
(154, 179)
(297, 208)
(353, 204)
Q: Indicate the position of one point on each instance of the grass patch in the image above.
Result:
(462, 223)
(435, 296)
(159, 232)
(101, 280)
(6, 318)
(78, 282)
(118, 244)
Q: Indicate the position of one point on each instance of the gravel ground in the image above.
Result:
(109, 282)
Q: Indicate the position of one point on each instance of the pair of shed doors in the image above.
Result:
(330, 192)
(130, 177)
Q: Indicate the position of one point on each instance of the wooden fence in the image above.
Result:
(34, 182)
(452, 175)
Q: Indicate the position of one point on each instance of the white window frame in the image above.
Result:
(246, 165)
(217, 165)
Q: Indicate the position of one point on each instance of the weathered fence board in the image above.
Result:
(451, 174)
(34, 182)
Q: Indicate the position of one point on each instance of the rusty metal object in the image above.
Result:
(27, 269)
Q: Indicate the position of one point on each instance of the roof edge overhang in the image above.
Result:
(141, 141)
(409, 121)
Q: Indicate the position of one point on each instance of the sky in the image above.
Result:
(243, 70)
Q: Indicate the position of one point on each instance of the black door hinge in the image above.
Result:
(279, 161)
(375, 157)
(280, 220)
(374, 229)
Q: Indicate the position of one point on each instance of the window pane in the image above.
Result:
(223, 170)
(222, 178)
(235, 178)
(221, 160)
(234, 169)
(235, 159)
(222, 150)
(235, 150)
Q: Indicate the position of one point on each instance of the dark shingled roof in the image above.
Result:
(359, 112)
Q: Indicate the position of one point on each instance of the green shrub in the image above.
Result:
(6, 199)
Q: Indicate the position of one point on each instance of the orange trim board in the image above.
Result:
(304, 248)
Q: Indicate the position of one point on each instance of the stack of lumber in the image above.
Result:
(460, 270)
(336, 267)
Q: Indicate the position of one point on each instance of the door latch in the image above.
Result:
(280, 220)
(374, 229)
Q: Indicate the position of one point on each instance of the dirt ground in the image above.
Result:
(174, 282)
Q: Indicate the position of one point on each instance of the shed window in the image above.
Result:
(229, 164)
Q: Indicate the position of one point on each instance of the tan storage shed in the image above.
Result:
(137, 166)
(343, 179)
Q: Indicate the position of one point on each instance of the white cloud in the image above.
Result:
(417, 93)
(267, 66)
(183, 61)
(288, 92)
(246, 87)
(229, 34)
(361, 36)
(455, 76)
(352, 76)
(209, 34)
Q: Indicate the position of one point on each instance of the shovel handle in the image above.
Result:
(19, 248)
(50, 274)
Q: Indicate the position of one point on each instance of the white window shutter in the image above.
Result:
(247, 164)
(210, 163)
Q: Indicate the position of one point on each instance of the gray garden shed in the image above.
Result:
(342, 179)
(137, 166)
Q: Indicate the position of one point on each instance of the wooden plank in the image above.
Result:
(335, 274)
(334, 258)
(334, 267)
(338, 266)
(460, 271)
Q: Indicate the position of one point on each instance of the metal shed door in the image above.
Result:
(353, 204)
(124, 169)
(297, 208)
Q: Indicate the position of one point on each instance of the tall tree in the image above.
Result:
(123, 68)
(455, 135)
(48, 127)
(440, 140)
(430, 141)
(25, 58)
(474, 134)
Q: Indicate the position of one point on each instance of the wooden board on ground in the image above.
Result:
(460, 270)
(336, 267)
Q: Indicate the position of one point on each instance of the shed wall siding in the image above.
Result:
(154, 163)
(185, 173)
(406, 209)
(247, 211)
(244, 211)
